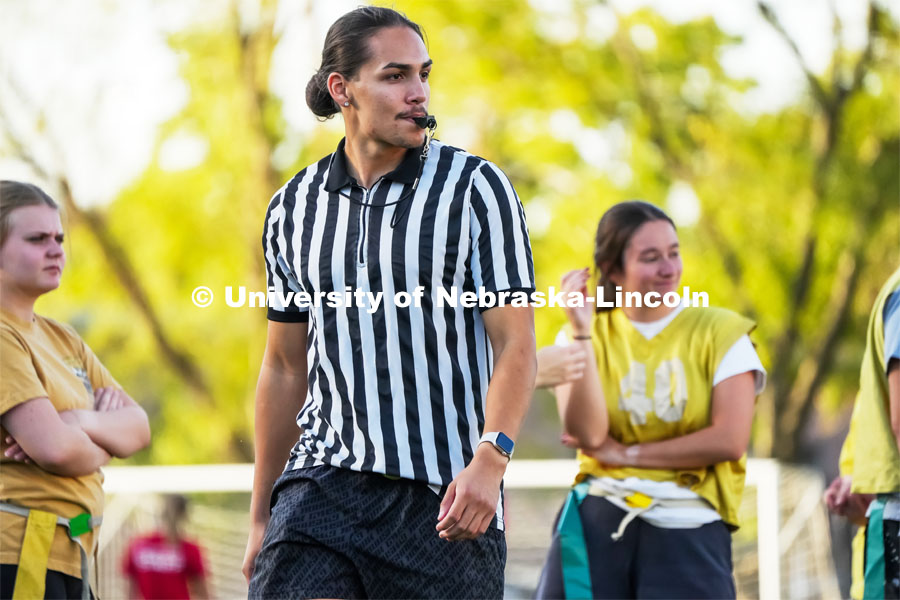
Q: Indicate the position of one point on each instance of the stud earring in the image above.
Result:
(346, 103)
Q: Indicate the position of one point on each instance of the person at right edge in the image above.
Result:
(656, 499)
(867, 492)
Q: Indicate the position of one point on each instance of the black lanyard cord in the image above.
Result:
(400, 213)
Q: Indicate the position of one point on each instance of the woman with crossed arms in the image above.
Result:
(62, 415)
(662, 417)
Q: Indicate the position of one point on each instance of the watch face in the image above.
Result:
(505, 443)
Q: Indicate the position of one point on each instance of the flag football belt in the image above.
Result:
(572, 548)
(875, 559)
(40, 527)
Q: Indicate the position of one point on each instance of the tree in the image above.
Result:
(582, 107)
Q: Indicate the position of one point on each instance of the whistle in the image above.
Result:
(426, 122)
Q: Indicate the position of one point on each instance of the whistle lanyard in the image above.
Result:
(398, 213)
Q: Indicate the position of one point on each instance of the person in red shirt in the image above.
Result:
(163, 564)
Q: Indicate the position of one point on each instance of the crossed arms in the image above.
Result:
(76, 442)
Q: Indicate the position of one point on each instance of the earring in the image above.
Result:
(346, 103)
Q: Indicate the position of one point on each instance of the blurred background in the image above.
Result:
(770, 132)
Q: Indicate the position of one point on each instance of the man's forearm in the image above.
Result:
(475, 490)
(512, 384)
(279, 397)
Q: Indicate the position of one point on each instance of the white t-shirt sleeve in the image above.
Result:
(740, 358)
(562, 338)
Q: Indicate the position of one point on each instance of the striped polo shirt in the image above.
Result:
(394, 389)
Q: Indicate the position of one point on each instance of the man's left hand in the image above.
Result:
(471, 499)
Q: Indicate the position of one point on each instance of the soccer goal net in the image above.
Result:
(783, 549)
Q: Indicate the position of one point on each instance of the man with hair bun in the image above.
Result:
(407, 411)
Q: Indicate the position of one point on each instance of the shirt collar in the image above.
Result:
(338, 177)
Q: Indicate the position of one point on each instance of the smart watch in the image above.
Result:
(500, 441)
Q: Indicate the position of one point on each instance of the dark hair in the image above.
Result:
(615, 230)
(346, 49)
(15, 194)
(176, 505)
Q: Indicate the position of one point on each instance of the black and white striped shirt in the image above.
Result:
(395, 390)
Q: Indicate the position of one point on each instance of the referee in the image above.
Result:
(408, 406)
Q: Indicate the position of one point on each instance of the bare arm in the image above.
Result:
(117, 424)
(894, 397)
(280, 394)
(842, 502)
(471, 499)
(581, 405)
(511, 331)
(724, 439)
(197, 588)
(133, 591)
(558, 365)
(54, 445)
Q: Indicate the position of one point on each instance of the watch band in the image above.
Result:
(500, 441)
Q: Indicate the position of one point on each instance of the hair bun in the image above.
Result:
(318, 99)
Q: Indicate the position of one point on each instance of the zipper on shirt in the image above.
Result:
(363, 245)
(361, 253)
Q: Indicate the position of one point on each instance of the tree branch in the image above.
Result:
(254, 63)
(818, 91)
(118, 261)
(814, 370)
(789, 401)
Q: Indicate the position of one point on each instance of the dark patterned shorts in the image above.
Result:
(336, 533)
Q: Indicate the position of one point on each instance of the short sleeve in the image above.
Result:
(740, 358)
(280, 279)
(100, 377)
(501, 249)
(891, 328)
(19, 381)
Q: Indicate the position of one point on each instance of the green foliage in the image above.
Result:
(503, 84)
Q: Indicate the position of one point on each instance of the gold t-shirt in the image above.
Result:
(47, 359)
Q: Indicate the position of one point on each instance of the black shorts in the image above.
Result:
(336, 533)
(56, 584)
(649, 561)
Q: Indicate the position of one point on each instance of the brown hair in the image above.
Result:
(15, 194)
(615, 230)
(176, 505)
(346, 49)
